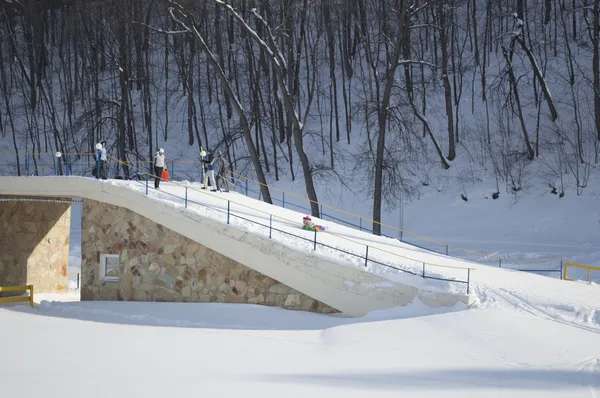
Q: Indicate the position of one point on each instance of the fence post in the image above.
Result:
(270, 225)
(172, 176)
(283, 199)
(322, 215)
(228, 206)
(27, 162)
(360, 224)
(423, 270)
(561, 269)
(315, 246)
(186, 197)
(446, 250)
(246, 187)
(98, 169)
(67, 166)
(468, 280)
(367, 256)
(147, 178)
(500, 263)
(31, 295)
(401, 235)
(259, 195)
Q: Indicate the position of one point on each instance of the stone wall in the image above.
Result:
(157, 264)
(34, 244)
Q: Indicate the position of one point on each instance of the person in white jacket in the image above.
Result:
(101, 158)
(159, 166)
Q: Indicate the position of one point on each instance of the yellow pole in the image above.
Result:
(30, 295)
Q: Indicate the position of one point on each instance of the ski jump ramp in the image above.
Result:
(351, 290)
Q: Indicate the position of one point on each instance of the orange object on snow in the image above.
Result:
(165, 175)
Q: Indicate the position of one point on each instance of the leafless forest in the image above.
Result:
(297, 89)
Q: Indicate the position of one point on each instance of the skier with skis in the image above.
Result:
(209, 164)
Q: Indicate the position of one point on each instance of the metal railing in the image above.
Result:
(77, 279)
(589, 269)
(364, 259)
(194, 168)
(502, 262)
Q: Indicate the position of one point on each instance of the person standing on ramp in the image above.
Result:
(159, 166)
(209, 162)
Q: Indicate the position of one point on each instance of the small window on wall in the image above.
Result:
(109, 267)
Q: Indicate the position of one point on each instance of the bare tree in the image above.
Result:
(596, 64)
(180, 16)
(283, 71)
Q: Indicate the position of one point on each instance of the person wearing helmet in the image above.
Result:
(159, 166)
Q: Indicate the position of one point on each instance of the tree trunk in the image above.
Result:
(383, 112)
(123, 80)
(442, 9)
(596, 66)
(540, 77)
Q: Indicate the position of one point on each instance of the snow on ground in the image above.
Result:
(125, 349)
(528, 336)
(532, 225)
(573, 303)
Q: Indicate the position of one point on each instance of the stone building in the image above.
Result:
(126, 256)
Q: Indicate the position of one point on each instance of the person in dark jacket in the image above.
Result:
(101, 156)
(209, 164)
